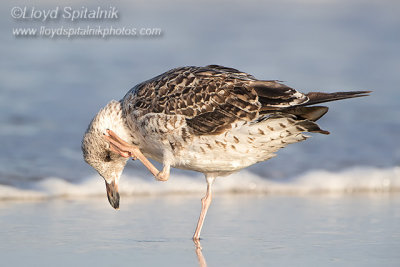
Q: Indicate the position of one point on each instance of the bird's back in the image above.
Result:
(215, 118)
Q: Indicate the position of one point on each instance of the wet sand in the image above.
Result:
(261, 230)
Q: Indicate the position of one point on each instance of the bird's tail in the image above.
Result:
(317, 97)
(314, 113)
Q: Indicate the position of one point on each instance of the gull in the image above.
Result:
(214, 120)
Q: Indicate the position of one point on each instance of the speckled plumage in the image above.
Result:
(210, 119)
(213, 119)
(190, 116)
(211, 98)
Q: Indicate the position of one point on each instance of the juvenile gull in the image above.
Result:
(213, 119)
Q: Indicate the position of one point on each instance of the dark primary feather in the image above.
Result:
(213, 97)
(318, 97)
(274, 95)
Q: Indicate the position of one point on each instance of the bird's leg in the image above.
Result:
(121, 147)
(127, 150)
(164, 174)
(205, 203)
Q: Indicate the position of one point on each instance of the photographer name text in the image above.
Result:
(66, 13)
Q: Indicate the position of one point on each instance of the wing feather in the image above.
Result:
(212, 98)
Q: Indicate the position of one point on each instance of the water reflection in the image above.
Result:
(199, 253)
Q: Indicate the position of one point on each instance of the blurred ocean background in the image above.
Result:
(51, 88)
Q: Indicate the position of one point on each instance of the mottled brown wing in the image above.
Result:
(211, 98)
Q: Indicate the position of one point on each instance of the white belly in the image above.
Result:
(242, 146)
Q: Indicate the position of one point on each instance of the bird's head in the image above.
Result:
(97, 153)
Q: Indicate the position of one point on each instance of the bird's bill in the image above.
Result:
(112, 194)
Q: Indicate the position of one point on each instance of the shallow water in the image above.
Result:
(352, 230)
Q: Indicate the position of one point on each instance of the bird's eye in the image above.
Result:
(108, 157)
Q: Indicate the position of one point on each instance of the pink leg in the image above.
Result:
(126, 150)
(205, 203)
